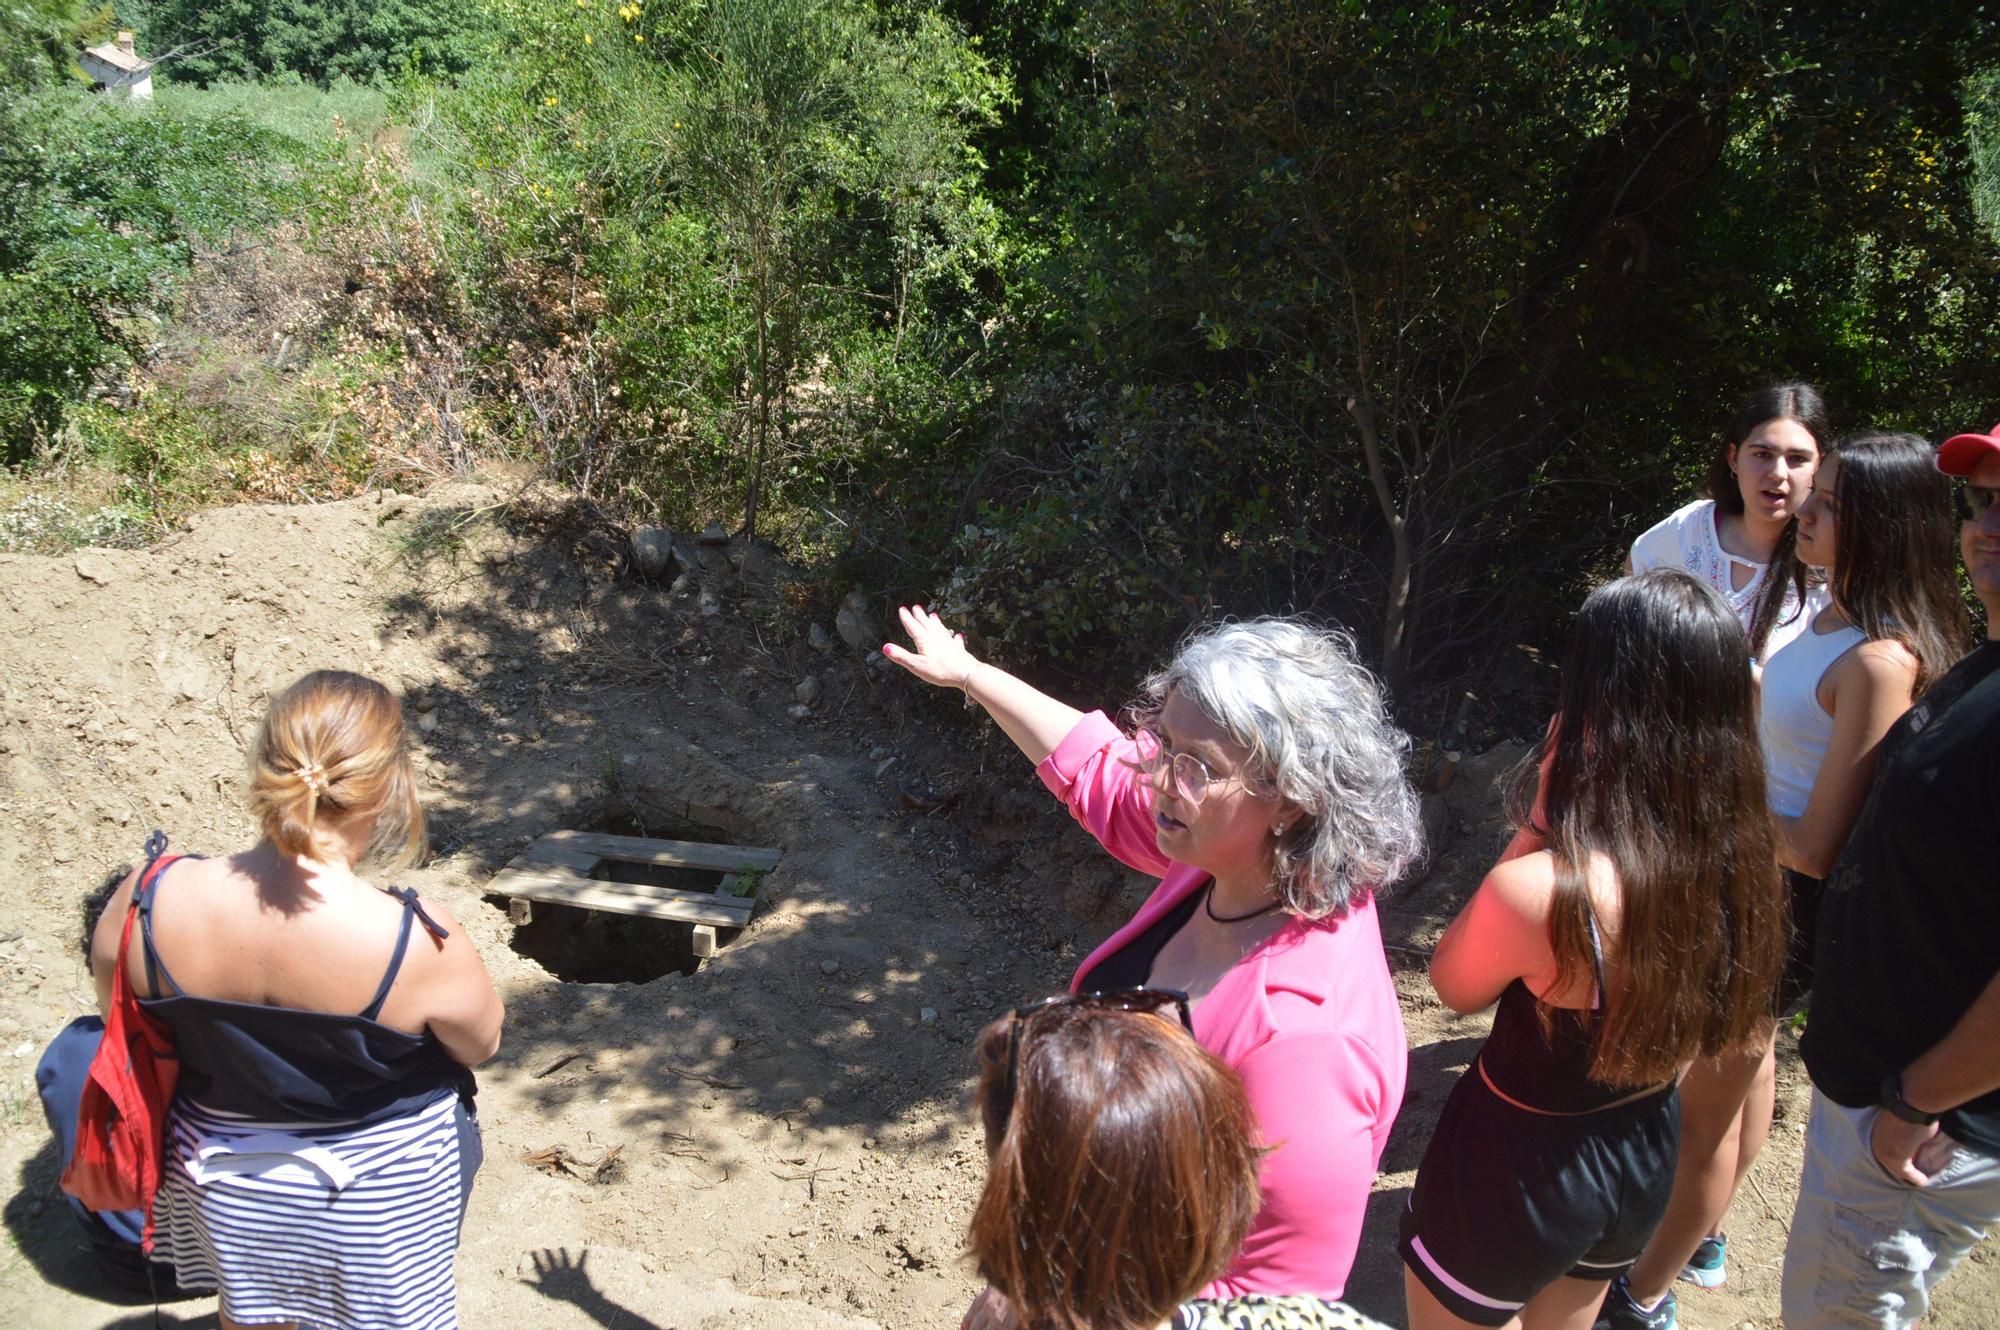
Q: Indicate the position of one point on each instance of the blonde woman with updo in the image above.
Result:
(321, 1144)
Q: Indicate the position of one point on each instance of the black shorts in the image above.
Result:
(1796, 984)
(1508, 1201)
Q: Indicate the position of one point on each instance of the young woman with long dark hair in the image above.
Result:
(1878, 524)
(1740, 539)
(1650, 931)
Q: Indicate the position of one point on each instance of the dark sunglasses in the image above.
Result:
(1974, 500)
(1117, 999)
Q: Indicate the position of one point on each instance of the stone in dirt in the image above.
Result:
(713, 534)
(652, 549)
(95, 566)
(807, 690)
(855, 624)
(819, 639)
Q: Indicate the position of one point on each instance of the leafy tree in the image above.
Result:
(804, 129)
(778, 205)
(101, 207)
(39, 39)
(319, 40)
(1440, 275)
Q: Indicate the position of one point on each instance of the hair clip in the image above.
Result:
(314, 775)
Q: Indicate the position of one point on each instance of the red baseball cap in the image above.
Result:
(1961, 454)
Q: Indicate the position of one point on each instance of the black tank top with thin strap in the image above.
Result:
(1549, 1070)
(282, 1064)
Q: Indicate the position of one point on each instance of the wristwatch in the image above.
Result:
(1893, 1103)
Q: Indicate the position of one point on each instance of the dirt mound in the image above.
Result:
(790, 1126)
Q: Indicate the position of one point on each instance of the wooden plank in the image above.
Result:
(520, 911)
(675, 853)
(546, 858)
(693, 907)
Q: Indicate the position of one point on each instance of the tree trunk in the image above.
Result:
(1396, 609)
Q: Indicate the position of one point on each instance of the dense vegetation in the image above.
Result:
(1084, 320)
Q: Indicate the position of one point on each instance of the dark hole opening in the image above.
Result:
(585, 946)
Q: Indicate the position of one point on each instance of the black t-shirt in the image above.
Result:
(1909, 928)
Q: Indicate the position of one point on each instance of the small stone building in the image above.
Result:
(116, 67)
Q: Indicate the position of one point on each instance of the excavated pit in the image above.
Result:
(583, 946)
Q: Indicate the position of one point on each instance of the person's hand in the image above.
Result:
(989, 1311)
(1908, 1152)
(940, 656)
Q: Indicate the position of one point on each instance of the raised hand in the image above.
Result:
(939, 656)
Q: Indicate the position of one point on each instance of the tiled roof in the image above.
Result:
(117, 59)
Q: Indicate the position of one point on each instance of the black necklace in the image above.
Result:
(1208, 907)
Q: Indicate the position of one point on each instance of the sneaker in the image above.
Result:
(1709, 1266)
(1619, 1312)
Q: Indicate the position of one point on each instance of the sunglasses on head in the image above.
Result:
(1974, 501)
(1117, 999)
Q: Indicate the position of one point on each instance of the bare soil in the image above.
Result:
(791, 1121)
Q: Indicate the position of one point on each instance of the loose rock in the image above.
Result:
(799, 711)
(928, 1015)
(713, 534)
(652, 548)
(819, 639)
(92, 566)
(829, 966)
(807, 691)
(855, 624)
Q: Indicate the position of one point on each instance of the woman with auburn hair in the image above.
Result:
(1650, 931)
(1263, 784)
(1879, 524)
(1121, 1174)
(321, 1145)
(1741, 539)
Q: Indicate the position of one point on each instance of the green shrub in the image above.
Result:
(102, 207)
(318, 40)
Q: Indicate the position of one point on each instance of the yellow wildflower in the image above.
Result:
(587, 41)
(548, 101)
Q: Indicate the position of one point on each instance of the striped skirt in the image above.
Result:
(336, 1227)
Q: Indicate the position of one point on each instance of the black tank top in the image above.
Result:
(1131, 966)
(1550, 1072)
(281, 1064)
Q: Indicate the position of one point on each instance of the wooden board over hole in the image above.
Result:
(676, 853)
(559, 868)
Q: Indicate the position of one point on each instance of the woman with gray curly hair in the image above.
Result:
(1264, 786)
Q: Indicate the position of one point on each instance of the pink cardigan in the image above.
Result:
(1308, 1019)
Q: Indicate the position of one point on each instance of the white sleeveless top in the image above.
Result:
(1687, 539)
(1793, 727)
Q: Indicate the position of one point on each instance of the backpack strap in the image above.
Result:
(143, 893)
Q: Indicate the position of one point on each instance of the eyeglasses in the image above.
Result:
(1190, 774)
(1117, 999)
(1974, 500)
